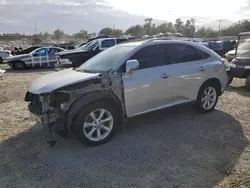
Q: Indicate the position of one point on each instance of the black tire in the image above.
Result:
(1, 59)
(83, 115)
(230, 79)
(248, 83)
(19, 65)
(198, 104)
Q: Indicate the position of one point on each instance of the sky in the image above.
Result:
(93, 15)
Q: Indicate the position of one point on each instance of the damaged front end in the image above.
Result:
(55, 99)
(48, 109)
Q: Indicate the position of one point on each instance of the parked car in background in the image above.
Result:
(100, 36)
(80, 44)
(41, 57)
(127, 80)
(240, 65)
(4, 54)
(66, 46)
(229, 56)
(216, 46)
(77, 57)
(26, 50)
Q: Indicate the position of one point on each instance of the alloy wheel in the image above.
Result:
(98, 125)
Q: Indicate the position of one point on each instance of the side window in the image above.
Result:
(200, 54)
(41, 52)
(107, 43)
(150, 56)
(52, 51)
(181, 53)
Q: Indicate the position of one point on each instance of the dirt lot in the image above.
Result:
(171, 148)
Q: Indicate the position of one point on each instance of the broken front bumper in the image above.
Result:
(45, 119)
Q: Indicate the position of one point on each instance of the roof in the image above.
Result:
(136, 43)
(244, 34)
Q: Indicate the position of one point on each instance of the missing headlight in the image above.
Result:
(59, 98)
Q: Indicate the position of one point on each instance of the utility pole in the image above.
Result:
(35, 28)
(219, 24)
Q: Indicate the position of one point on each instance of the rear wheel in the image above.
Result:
(230, 79)
(96, 123)
(19, 65)
(207, 98)
(1, 59)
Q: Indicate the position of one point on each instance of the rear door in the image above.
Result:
(188, 71)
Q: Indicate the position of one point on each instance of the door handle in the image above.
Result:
(165, 76)
(201, 69)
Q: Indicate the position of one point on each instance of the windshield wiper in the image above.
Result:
(83, 70)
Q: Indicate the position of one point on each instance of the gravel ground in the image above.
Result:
(170, 148)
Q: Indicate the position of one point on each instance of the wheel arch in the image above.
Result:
(91, 97)
(215, 82)
(17, 61)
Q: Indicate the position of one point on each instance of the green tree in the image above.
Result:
(189, 28)
(170, 27)
(81, 35)
(148, 25)
(179, 25)
(58, 34)
(117, 32)
(46, 35)
(106, 31)
(137, 30)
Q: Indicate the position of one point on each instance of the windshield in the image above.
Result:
(244, 47)
(89, 46)
(106, 60)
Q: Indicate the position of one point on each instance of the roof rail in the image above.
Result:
(164, 38)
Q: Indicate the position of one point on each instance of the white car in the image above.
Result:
(127, 80)
(4, 54)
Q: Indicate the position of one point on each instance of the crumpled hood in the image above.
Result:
(53, 81)
(18, 56)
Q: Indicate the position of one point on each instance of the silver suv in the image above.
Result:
(124, 81)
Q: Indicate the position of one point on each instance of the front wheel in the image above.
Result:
(96, 123)
(207, 98)
(19, 65)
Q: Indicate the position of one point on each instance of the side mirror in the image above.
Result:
(131, 65)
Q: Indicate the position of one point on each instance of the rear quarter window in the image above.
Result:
(107, 43)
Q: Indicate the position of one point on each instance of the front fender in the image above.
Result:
(84, 100)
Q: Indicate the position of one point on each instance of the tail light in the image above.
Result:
(224, 61)
(9, 53)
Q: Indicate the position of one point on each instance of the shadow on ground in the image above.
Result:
(169, 148)
(242, 90)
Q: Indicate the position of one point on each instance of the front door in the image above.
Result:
(40, 57)
(147, 88)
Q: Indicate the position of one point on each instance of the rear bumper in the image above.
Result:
(239, 72)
